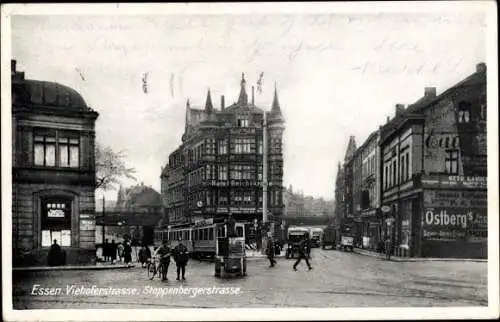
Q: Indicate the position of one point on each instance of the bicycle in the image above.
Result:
(154, 268)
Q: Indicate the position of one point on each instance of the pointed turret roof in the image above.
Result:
(275, 109)
(243, 98)
(208, 104)
(351, 148)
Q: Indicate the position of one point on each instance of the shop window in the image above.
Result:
(451, 161)
(56, 221)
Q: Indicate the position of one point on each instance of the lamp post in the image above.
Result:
(103, 217)
(264, 184)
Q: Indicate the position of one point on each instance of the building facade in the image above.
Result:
(53, 172)
(293, 203)
(217, 171)
(339, 195)
(434, 173)
(368, 192)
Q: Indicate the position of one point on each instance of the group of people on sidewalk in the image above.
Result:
(110, 251)
(304, 253)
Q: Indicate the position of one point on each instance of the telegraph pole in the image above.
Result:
(264, 185)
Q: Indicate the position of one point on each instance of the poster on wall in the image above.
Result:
(46, 240)
(66, 238)
(87, 224)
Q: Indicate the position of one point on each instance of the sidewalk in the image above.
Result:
(415, 259)
(97, 266)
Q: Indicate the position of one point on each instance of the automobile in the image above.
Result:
(294, 236)
(316, 236)
(329, 237)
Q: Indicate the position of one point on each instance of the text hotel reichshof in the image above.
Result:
(81, 290)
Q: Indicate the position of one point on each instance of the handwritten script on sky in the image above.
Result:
(337, 74)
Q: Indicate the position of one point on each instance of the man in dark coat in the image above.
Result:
(181, 258)
(144, 255)
(163, 252)
(105, 250)
(127, 253)
(112, 251)
(303, 253)
(270, 252)
(55, 255)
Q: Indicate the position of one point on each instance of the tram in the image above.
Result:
(200, 237)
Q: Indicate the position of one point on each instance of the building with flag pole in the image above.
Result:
(218, 170)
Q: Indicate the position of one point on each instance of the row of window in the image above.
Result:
(56, 149)
(175, 194)
(466, 115)
(369, 165)
(238, 146)
(176, 214)
(222, 198)
(397, 172)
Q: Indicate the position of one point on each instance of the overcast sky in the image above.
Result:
(337, 74)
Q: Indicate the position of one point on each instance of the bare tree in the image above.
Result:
(110, 168)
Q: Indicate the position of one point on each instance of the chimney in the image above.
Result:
(387, 120)
(253, 95)
(13, 64)
(481, 67)
(400, 108)
(222, 103)
(430, 92)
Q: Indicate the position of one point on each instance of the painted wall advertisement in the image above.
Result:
(452, 215)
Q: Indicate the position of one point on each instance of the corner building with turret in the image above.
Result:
(217, 171)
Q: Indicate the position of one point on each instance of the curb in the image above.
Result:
(419, 259)
(70, 268)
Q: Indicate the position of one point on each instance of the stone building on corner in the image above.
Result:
(53, 172)
(217, 169)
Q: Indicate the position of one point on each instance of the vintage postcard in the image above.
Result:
(249, 161)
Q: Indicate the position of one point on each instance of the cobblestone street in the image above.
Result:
(338, 279)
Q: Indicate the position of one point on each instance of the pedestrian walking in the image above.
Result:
(144, 255)
(112, 251)
(388, 248)
(304, 253)
(181, 258)
(270, 252)
(163, 252)
(127, 253)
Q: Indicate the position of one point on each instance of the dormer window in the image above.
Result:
(464, 112)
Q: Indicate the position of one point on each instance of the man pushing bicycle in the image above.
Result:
(163, 252)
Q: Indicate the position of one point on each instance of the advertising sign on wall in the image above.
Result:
(453, 214)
